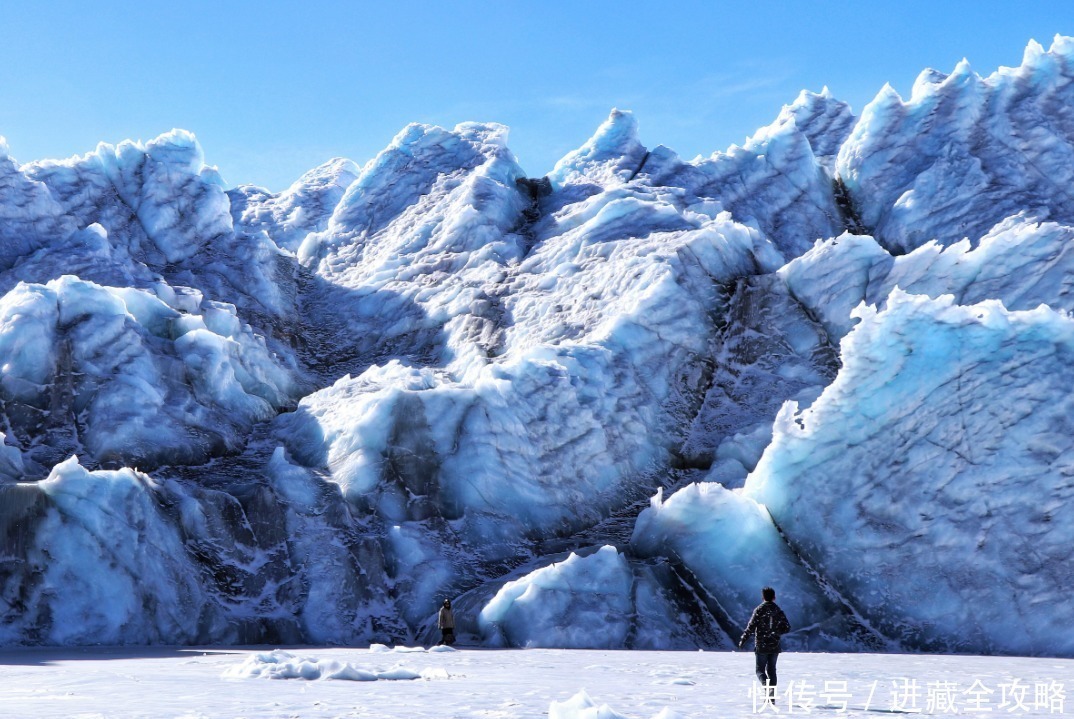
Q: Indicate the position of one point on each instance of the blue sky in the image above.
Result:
(272, 89)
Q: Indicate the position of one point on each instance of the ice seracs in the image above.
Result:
(836, 353)
(965, 152)
(148, 383)
(612, 156)
(1021, 261)
(161, 193)
(304, 207)
(609, 335)
(824, 120)
(30, 214)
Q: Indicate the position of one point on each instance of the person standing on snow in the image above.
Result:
(446, 622)
(768, 624)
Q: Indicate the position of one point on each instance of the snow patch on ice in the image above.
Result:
(385, 649)
(279, 664)
(580, 706)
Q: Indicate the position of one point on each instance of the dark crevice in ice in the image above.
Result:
(641, 165)
(844, 201)
(863, 631)
(534, 189)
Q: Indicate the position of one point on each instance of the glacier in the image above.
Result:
(599, 408)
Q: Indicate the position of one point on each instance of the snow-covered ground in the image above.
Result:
(189, 682)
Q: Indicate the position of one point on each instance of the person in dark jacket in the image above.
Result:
(767, 624)
(445, 621)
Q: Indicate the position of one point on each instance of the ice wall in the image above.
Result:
(101, 566)
(731, 548)
(309, 416)
(929, 483)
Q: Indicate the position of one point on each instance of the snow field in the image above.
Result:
(169, 683)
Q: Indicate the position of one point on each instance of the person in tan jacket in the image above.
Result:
(446, 622)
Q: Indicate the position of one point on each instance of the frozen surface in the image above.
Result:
(169, 683)
(385, 649)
